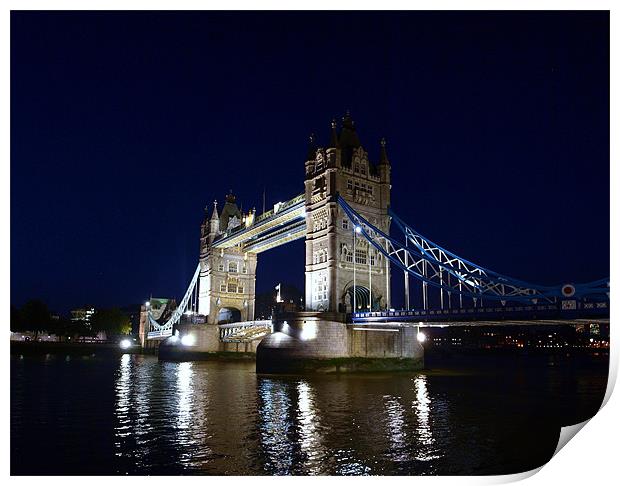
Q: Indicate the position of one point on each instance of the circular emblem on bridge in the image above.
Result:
(568, 290)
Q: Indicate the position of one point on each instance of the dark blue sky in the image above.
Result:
(124, 125)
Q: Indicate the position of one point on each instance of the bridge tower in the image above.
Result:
(335, 256)
(227, 283)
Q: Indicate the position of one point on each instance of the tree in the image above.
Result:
(62, 327)
(35, 316)
(112, 321)
(17, 321)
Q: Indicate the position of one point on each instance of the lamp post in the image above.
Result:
(354, 246)
(369, 280)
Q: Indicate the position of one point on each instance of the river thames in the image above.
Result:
(131, 414)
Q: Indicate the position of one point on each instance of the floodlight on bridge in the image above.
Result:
(188, 340)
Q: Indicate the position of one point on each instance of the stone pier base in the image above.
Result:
(205, 345)
(323, 342)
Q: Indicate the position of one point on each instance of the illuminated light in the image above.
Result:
(421, 337)
(147, 303)
(308, 332)
(125, 344)
(188, 340)
(358, 229)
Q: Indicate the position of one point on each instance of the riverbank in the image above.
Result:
(43, 347)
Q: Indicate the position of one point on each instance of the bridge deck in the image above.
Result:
(550, 313)
(288, 213)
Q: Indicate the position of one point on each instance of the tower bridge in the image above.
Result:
(353, 242)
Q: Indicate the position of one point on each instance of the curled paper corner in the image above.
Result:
(513, 478)
(612, 375)
(567, 433)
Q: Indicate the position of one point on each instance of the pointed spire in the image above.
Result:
(347, 121)
(383, 158)
(311, 147)
(333, 142)
(215, 215)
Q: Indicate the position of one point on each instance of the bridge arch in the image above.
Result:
(227, 315)
(362, 298)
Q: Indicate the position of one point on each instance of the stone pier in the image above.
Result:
(204, 343)
(324, 342)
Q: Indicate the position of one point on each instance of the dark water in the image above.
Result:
(134, 415)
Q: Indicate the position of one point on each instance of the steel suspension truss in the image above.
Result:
(190, 300)
(453, 275)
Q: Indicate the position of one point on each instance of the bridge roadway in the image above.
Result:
(539, 314)
(567, 312)
(284, 223)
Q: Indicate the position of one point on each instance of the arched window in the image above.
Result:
(233, 267)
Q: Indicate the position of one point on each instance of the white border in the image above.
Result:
(590, 459)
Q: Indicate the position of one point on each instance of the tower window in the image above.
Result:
(345, 223)
(360, 256)
(233, 267)
(320, 291)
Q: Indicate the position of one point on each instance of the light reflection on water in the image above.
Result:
(222, 418)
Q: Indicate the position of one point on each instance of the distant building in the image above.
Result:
(83, 314)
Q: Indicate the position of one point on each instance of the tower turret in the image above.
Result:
(214, 223)
(310, 158)
(384, 164)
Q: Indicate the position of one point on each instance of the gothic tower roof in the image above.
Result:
(348, 136)
(348, 139)
(229, 211)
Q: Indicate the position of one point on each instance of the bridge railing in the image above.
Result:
(245, 330)
(282, 207)
(573, 309)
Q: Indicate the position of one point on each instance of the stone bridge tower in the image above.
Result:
(227, 286)
(343, 167)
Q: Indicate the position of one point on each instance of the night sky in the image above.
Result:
(125, 125)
